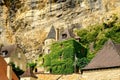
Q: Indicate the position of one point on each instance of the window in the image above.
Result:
(64, 36)
(4, 53)
(36, 70)
(48, 50)
(19, 55)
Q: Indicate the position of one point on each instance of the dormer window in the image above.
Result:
(64, 36)
(4, 53)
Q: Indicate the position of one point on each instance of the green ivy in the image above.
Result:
(62, 57)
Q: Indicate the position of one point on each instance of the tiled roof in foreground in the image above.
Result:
(3, 70)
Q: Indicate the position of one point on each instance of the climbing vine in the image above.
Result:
(61, 60)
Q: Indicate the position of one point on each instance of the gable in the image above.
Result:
(108, 57)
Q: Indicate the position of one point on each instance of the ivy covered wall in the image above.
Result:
(63, 57)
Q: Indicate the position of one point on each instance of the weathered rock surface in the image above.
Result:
(27, 22)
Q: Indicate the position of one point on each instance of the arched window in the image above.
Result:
(64, 36)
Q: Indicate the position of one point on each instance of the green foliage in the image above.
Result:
(31, 65)
(82, 62)
(89, 35)
(17, 70)
(99, 34)
(62, 57)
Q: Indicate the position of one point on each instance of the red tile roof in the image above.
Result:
(108, 57)
(3, 71)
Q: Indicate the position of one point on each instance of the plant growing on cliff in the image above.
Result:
(100, 33)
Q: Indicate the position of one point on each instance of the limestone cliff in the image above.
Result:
(27, 22)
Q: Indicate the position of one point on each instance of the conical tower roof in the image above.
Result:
(52, 33)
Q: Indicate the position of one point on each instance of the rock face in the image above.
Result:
(27, 22)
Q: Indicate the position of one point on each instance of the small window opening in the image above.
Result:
(36, 70)
(48, 50)
(64, 36)
(4, 53)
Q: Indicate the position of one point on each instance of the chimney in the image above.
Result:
(9, 72)
(57, 34)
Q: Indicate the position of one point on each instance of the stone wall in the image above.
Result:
(106, 74)
(59, 77)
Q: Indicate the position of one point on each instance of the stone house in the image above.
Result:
(105, 65)
(55, 35)
(12, 53)
(6, 72)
